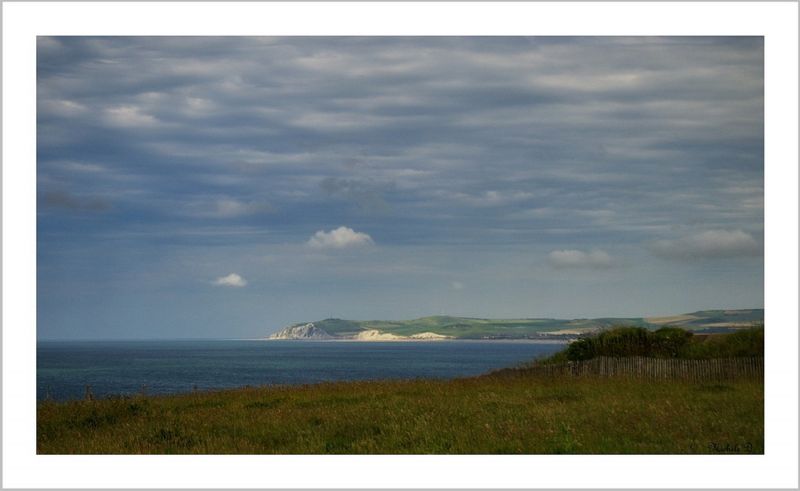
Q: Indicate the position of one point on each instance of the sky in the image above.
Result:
(224, 187)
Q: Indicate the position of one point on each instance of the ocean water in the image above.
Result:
(65, 368)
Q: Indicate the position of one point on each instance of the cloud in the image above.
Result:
(490, 198)
(62, 108)
(457, 285)
(710, 244)
(366, 195)
(83, 167)
(340, 238)
(417, 129)
(69, 201)
(575, 259)
(129, 116)
(232, 280)
(225, 208)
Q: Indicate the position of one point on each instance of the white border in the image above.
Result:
(23, 21)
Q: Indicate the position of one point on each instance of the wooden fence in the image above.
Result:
(659, 368)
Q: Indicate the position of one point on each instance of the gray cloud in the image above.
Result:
(709, 244)
(367, 195)
(571, 123)
(69, 201)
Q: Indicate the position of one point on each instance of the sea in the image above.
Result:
(118, 368)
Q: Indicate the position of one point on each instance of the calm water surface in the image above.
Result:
(64, 368)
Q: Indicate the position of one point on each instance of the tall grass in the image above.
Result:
(495, 414)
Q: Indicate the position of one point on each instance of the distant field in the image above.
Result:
(493, 414)
(675, 319)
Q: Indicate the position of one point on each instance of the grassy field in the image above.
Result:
(509, 412)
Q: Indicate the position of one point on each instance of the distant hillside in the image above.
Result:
(447, 327)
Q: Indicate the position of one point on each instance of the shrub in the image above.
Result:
(669, 342)
(745, 342)
(624, 341)
(619, 341)
(582, 349)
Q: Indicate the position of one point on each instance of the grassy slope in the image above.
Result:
(472, 328)
(458, 327)
(501, 413)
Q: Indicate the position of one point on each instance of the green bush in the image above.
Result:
(582, 349)
(670, 342)
(624, 341)
(745, 342)
(619, 341)
(667, 342)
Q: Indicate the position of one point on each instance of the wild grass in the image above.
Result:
(508, 413)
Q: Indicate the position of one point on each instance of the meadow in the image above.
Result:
(504, 413)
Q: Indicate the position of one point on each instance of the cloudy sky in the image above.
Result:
(225, 187)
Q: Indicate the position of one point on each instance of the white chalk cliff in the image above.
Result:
(375, 335)
(302, 331)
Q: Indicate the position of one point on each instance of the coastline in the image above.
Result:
(418, 340)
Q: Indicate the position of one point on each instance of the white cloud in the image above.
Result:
(225, 208)
(83, 167)
(708, 244)
(232, 279)
(129, 116)
(235, 208)
(457, 285)
(339, 238)
(572, 258)
(198, 106)
(487, 199)
(64, 108)
(231, 208)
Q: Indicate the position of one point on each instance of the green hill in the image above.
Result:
(476, 328)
